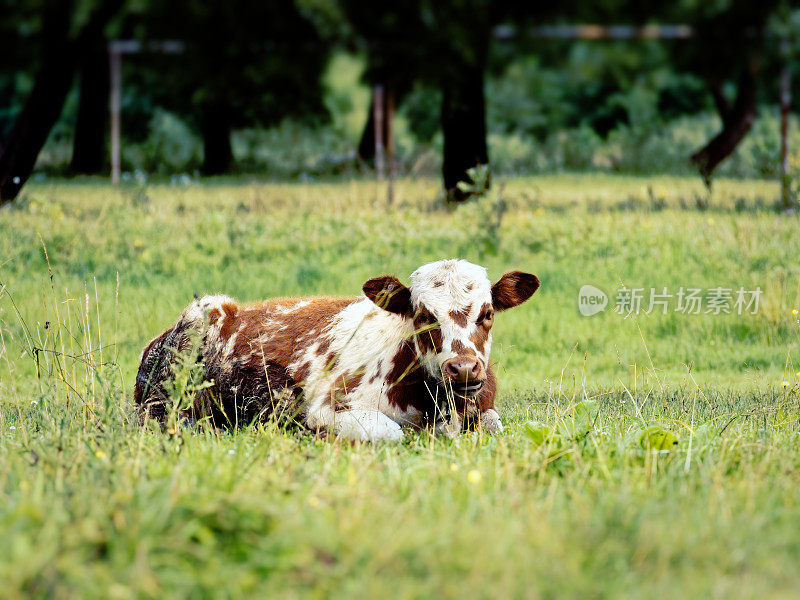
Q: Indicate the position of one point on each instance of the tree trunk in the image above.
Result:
(788, 199)
(41, 111)
(46, 100)
(217, 151)
(89, 145)
(736, 123)
(464, 129)
(366, 146)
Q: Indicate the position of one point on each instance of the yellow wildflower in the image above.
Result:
(474, 476)
(454, 466)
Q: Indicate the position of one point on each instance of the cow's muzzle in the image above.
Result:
(465, 375)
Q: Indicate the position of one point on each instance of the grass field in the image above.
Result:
(644, 455)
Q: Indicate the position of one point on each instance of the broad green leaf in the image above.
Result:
(537, 432)
(585, 415)
(658, 438)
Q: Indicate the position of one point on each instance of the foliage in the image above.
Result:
(254, 63)
(635, 106)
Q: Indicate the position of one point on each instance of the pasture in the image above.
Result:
(644, 454)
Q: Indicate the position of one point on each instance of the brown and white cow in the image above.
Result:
(356, 368)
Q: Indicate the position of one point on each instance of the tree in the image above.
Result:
(727, 50)
(395, 40)
(464, 30)
(443, 44)
(246, 63)
(89, 143)
(62, 52)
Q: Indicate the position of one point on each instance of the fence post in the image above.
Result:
(115, 102)
(785, 98)
(377, 117)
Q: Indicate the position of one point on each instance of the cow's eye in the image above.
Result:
(486, 317)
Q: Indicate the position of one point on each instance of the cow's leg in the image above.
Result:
(487, 415)
(355, 424)
(490, 421)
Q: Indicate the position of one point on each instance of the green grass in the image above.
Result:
(569, 502)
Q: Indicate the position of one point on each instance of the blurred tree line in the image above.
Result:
(457, 85)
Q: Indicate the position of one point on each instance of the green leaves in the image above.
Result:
(479, 180)
(658, 438)
(537, 432)
(584, 415)
(575, 426)
(581, 421)
(541, 435)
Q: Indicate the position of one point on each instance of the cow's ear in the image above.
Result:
(512, 289)
(388, 293)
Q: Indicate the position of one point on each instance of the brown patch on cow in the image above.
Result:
(331, 360)
(410, 386)
(244, 392)
(225, 318)
(231, 323)
(324, 344)
(485, 307)
(225, 311)
(230, 309)
(479, 338)
(469, 287)
(377, 372)
(430, 339)
(341, 388)
(300, 372)
(438, 284)
(404, 378)
(423, 317)
(512, 289)
(485, 399)
(461, 317)
(427, 331)
(461, 350)
(285, 339)
(349, 381)
(484, 326)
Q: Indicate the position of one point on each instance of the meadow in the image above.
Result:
(649, 454)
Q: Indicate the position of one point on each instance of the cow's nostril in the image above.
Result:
(462, 370)
(451, 368)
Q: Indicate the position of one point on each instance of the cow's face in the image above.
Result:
(452, 305)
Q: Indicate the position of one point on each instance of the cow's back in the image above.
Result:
(248, 353)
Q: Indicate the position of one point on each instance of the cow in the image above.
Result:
(355, 368)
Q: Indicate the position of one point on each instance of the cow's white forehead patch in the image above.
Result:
(448, 285)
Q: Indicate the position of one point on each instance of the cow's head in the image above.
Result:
(452, 306)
